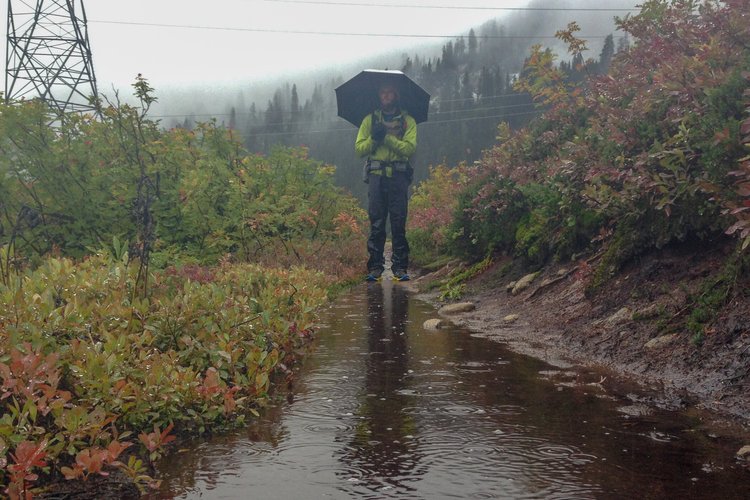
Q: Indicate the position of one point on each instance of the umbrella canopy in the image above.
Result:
(358, 97)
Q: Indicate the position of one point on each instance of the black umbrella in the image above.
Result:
(358, 97)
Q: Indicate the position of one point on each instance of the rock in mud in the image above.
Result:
(524, 283)
(621, 316)
(547, 282)
(660, 341)
(434, 324)
(649, 312)
(744, 453)
(511, 318)
(457, 308)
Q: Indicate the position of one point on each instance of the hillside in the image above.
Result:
(470, 77)
(623, 330)
(637, 184)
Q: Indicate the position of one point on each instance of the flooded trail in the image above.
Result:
(385, 409)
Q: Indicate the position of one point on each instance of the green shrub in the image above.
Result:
(78, 351)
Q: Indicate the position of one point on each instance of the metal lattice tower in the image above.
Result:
(48, 55)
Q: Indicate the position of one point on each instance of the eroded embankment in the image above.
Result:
(635, 325)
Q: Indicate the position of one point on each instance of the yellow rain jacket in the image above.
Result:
(399, 144)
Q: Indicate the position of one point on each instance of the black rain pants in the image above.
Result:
(388, 197)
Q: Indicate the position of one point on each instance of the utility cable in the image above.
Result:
(455, 7)
(354, 129)
(326, 33)
(309, 122)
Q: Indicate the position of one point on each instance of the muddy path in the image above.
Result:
(621, 328)
(383, 408)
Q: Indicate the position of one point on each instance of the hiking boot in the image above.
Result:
(374, 275)
(400, 275)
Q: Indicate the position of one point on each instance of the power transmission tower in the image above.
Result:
(48, 55)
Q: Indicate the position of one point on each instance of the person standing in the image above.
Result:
(387, 138)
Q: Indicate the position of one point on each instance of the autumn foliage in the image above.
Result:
(90, 373)
(164, 196)
(651, 153)
(152, 284)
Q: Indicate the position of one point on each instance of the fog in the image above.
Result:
(203, 58)
(215, 99)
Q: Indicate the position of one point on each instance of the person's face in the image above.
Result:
(387, 94)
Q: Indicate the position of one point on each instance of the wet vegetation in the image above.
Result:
(650, 154)
(152, 284)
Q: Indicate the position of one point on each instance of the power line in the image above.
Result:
(454, 120)
(436, 122)
(465, 99)
(454, 7)
(326, 33)
(308, 122)
(331, 109)
(354, 129)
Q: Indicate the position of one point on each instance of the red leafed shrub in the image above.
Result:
(27, 457)
(192, 272)
(740, 208)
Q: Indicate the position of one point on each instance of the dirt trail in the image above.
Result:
(624, 328)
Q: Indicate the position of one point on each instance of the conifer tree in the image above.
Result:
(295, 111)
(472, 43)
(485, 85)
(233, 119)
(605, 58)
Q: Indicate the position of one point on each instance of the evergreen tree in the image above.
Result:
(416, 66)
(407, 67)
(467, 91)
(317, 102)
(605, 58)
(295, 111)
(252, 117)
(472, 43)
(294, 100)
(498, 79)
(277, 119)
(427, 70)
(459, 51)
(578, 67)
(233, 119)
(623, 43)
(486, 84)
(251, 129)
(449, 59)
(241, 104)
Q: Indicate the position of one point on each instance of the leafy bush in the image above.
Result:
(150, 280)
(84, 364)
(489, 225)
(431, 210)
(177, 195)
(628, 161)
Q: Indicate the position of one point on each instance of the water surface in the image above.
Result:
(385, 409)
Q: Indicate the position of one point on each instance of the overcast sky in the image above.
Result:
(178, 43)
(186, 56)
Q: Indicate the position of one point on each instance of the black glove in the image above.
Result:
(378, 132)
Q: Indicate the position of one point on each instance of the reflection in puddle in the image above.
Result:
(384, 409)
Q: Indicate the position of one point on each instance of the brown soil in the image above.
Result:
(559, 323)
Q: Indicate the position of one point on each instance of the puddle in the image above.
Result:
(384, 409)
